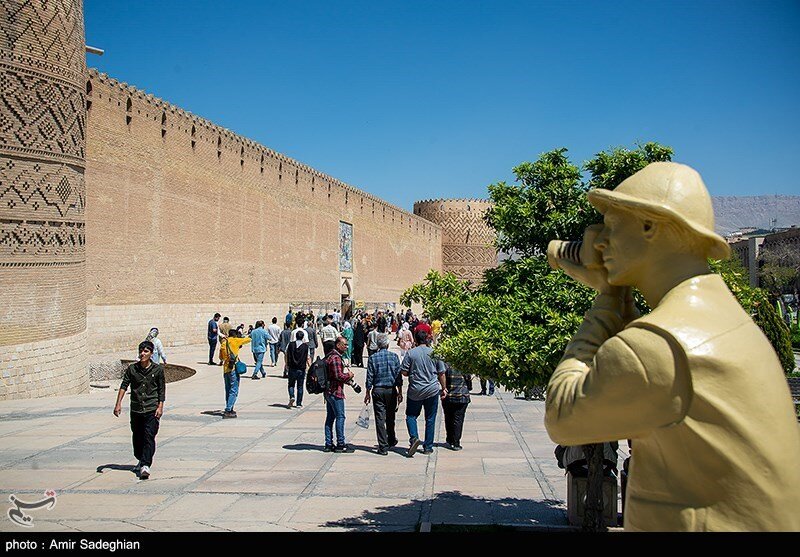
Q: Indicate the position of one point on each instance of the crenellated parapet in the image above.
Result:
(138, 109)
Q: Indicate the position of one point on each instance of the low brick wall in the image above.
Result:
(44, 368)
(119, 328)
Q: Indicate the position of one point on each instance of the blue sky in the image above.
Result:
(413, 100)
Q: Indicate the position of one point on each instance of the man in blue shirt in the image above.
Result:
(385, 388)
(213, 333)
(258, 345)
(289, 318)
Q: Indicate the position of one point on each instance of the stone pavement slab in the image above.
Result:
(265, 471)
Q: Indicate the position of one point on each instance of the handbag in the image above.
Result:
(240, 367)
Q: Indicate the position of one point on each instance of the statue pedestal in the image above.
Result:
(576, 498)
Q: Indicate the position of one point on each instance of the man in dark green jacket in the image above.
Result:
(148, 390)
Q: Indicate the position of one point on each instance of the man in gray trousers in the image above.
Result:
(385, 389)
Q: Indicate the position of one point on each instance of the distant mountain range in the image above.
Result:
(735, 212)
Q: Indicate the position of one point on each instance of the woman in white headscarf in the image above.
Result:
(406, 341)
(158, 356)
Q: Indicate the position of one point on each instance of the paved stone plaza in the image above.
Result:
(265, 471)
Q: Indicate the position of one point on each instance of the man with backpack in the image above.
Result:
(334, 398)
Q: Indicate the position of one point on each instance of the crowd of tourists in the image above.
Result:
(343, 343)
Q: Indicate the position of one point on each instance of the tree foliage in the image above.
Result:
(756, 302)
(548, 201)
(780, 268)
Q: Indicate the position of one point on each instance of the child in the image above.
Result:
(148, 390)
(228, 353)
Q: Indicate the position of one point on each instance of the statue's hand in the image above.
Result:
(595, 277)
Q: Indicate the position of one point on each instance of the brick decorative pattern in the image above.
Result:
(467, 241)
(42, 198)
(44, 368)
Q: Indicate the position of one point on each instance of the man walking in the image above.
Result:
(385, 388)
(372, 340)
(426, 380)
(297, 361)
(334, 398)
(328, 332)
(311, 335)
(213, 333)
(274, 339)
(148, 392)
(225, 327)
(258, 345)
(286, 338)
(484, 383)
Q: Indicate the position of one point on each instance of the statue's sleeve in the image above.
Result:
(615, 384)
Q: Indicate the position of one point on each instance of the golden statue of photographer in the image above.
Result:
(695, 383)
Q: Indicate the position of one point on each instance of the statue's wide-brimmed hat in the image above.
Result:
(673, 191)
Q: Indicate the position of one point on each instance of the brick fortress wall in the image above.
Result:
(185, 218)
(467, 241)
(42, 195)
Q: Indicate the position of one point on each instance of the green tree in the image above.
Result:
(757, 303)
(780, 268)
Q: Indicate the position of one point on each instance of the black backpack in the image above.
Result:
(317, 378)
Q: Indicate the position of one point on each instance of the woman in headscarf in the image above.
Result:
(406, 341)
(158, 356)
(347, 333)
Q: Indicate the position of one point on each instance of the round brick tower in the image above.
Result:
(42, 195)
(467, 241)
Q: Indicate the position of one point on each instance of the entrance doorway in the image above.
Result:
(346, 292)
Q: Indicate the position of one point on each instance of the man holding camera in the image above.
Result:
(695, 383)
(334, 398)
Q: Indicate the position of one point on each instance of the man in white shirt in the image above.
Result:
(294, 334)
(273, 338)
(328, 332)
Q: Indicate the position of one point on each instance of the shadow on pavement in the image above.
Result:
(310, 447)
(123, 467)
(456, 510)
(213, 412)
(276, 405)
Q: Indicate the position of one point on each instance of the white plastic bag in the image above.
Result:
(363, 418)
